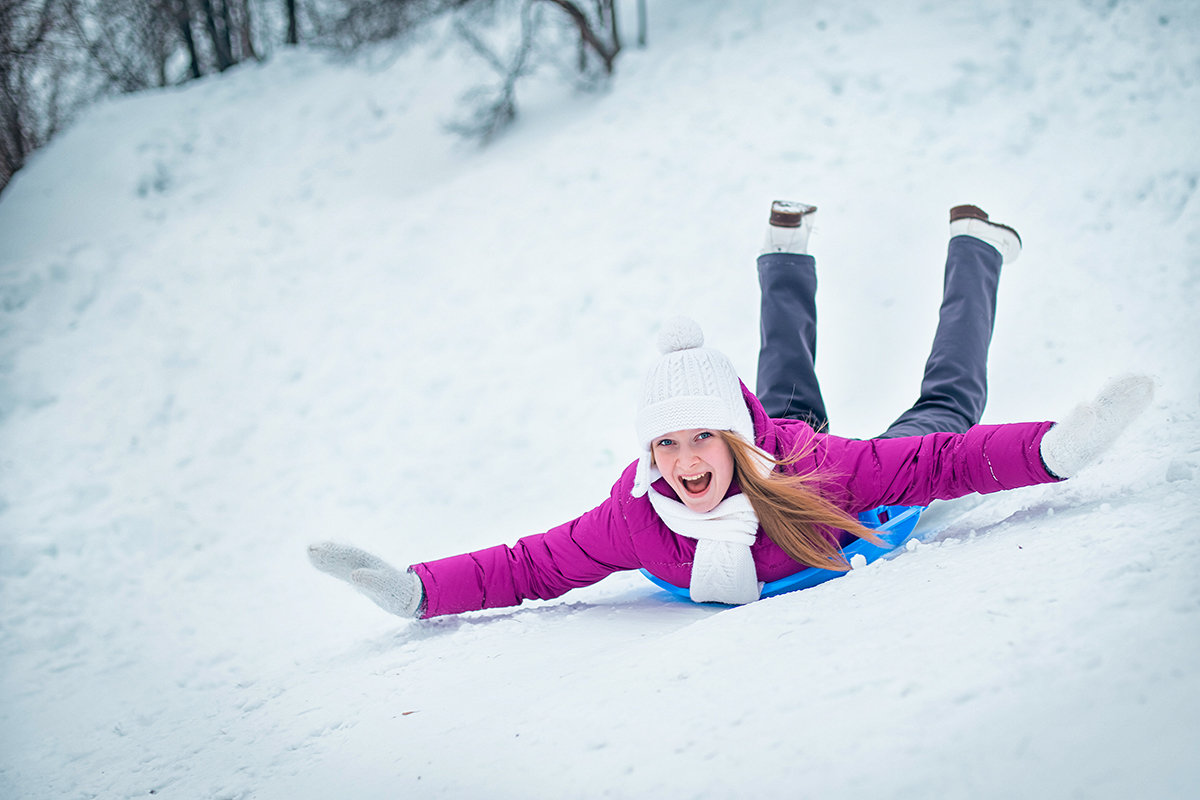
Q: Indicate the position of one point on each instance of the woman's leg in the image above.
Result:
(787, 381)
(954, 389)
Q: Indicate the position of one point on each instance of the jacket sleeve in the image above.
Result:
(542, 566)
(917, 470)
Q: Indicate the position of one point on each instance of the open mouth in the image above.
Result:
(696, 484)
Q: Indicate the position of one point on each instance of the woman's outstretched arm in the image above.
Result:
(986, 458)
(545, 565)
(541, 566)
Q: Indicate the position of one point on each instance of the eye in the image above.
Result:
(704, 435)
(664, 443)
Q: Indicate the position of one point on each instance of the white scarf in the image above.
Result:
(723, 568)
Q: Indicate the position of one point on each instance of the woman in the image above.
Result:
(731, 492)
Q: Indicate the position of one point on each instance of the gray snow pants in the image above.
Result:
(954, 389)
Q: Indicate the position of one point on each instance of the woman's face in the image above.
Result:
(697, 464)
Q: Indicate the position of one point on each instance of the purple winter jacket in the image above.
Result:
(624, 532)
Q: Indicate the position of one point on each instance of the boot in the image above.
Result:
(973, 221)
(789, 226)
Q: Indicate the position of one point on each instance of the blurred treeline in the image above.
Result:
(57, 56)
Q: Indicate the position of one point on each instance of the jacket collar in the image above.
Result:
(766, 434)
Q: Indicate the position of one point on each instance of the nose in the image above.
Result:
(688, 454)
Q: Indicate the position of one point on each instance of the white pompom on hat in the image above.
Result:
(690, 386)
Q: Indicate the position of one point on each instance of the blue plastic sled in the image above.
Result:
(893, 524)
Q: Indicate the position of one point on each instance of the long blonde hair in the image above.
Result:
(790, 507)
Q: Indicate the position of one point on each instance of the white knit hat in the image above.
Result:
(689, 387)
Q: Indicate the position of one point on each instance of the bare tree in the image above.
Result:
(26, 29)
(244, 26)
(216, 25)
(493, 108)
(359, 22)
(600, 37)
(293, 22)
(128, 42)
(57, 55)
(180, 14)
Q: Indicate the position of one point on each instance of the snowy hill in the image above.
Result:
(286, 305)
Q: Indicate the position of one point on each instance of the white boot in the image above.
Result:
(973, 221)
(789, 227)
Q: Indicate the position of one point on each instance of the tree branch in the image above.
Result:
(607, 53)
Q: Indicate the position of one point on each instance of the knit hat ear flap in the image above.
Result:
(689, 387)
(647, 473)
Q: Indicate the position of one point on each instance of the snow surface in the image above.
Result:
(286, 305)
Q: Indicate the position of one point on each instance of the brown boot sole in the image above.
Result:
(975, 212)
(968, 212)
(789, 219)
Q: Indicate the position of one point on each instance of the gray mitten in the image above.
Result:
(396, 592)
(1089, 430)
